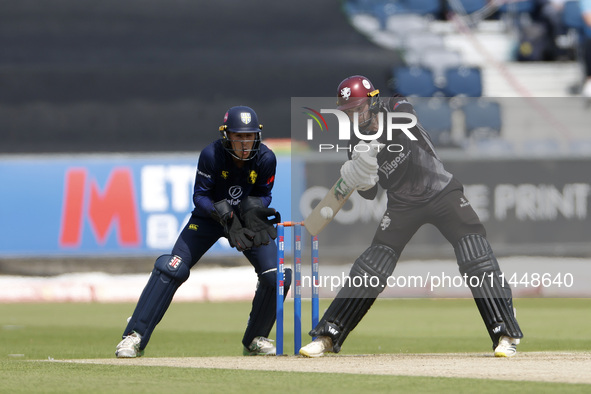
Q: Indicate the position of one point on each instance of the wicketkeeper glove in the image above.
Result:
(361, 172)
(259, 219)
(239, 237)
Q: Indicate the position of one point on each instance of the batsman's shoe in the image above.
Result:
(317, 347)
(260, 346)
(129, 347)
(507, 347)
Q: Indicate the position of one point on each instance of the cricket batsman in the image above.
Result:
(232, 194)
(419, 191)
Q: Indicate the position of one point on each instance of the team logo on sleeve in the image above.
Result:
(252, 177)
(385, 222)
(245, 117)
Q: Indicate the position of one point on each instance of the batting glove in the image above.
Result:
(361, 172)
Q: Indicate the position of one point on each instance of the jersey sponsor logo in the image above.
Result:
(252, 177)
(388, 167)
(174, 262)
(225, 174)
(204, 174)
(235, 192)
(245, 117)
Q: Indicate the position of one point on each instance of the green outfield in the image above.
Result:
(33, 334)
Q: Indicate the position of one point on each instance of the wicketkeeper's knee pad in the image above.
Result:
(491, 292)
(269, 278)
(368, 278)
(167, 276)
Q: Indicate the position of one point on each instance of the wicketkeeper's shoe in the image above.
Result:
(507, 347)
(317, 347)
(260, 346)
(129, 347)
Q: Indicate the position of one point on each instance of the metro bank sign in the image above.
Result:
(103, 205)
(114, 206)
(113, 210)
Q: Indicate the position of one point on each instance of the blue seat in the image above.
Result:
(413, 81)
(435, 115)
(572, 18)
(463, 81)
(571, 15)
(439, 60)
(517, 6)
(471, 6)
(384, 9)
(482, 118)
(423, 7)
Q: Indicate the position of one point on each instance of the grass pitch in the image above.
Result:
(31, 334)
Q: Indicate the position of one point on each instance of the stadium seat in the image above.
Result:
(413, 81)
(423, 7)
(439, 60)
(384, 9)
(463, 81)
(470, 6)
(435, 115)
(571, 15)
(482, 118)
(517, 6)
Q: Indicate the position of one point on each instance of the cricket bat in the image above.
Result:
(326, 209)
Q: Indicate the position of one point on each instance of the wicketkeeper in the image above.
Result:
(235, 176)
(420, 191)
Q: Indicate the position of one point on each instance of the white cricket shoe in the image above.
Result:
(129, 347)
(260, 346)
(317, 347)
(507, 347)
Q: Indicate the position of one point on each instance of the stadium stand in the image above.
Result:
(155, 75)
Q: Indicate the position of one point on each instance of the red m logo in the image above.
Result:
(115, 206)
